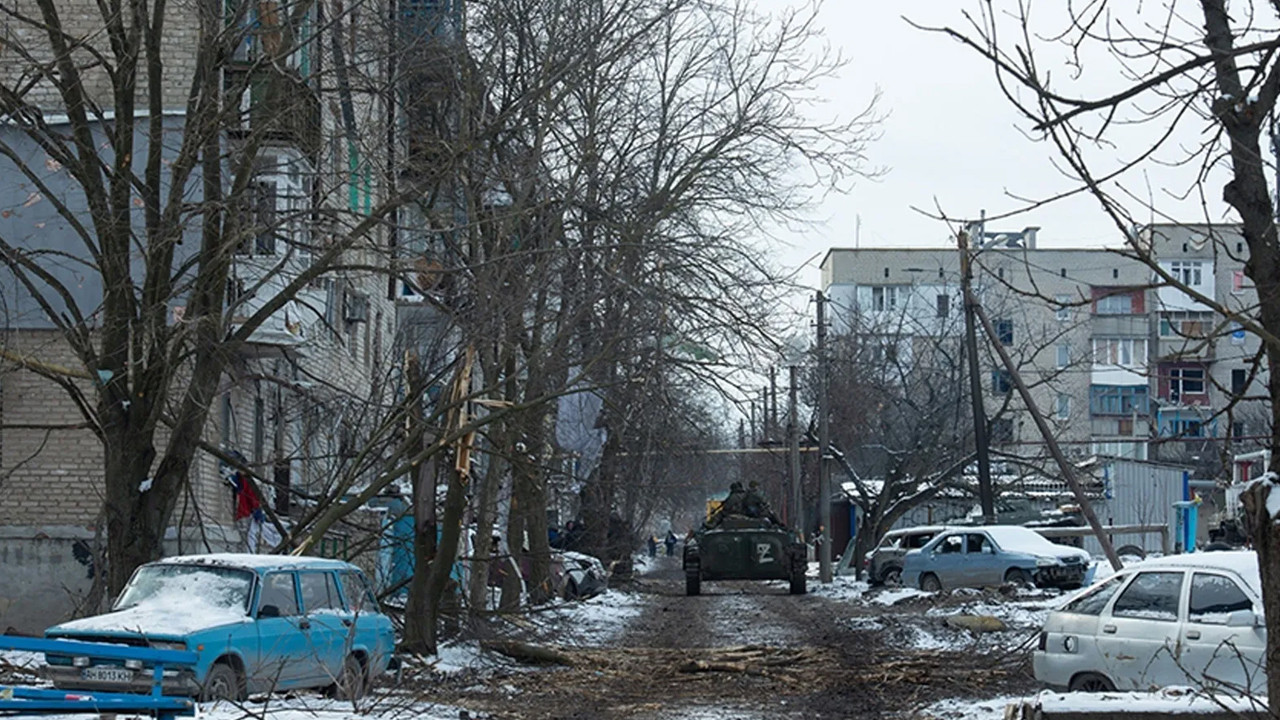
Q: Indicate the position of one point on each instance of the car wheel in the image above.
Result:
(692, 583)
(930, 583)
(222, 683)
(1132, 551)
(891, 577)
(1091, 682)
(351, 684)
(1019, 577)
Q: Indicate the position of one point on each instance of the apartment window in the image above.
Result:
(1186, 428)
(1064, 307)
(1004, 331)
(1186, 324)
(1124, 426)
(1239, 381)
(1237, 281)
(886, 297)
(1185, 381)
(1186, 272)
(1000, 273)
(1123, 352)
(1064, 355)
(1115, 273)
(1064, 406)
(1120, 448)
(944, 305)
(1000, 382)
(1118, 399)
(1237, 429)
(264, 226)
(1115, 305)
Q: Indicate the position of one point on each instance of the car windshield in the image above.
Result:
(220, 587)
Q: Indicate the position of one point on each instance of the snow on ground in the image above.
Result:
(1170, 701)
(595, 622)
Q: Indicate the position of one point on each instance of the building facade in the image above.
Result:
(1120, 362)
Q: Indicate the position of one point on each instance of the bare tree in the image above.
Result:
(1175, 73)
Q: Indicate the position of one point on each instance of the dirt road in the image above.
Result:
(750, 650)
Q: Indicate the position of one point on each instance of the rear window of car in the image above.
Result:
(1093, 601)
(1151, 596)
(1214, 596)
(890, 542)
(319, 592)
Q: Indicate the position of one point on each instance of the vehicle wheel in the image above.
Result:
(930, 583)
(351, 684)
(1019, 577)
(798, 580)
(222, 683)
(692, 583)
(1132, 551)
(891, 577)
(1091, 682)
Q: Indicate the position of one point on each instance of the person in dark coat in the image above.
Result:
(671, 544)
(734, 504)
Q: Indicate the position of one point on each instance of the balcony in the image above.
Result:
(1134, 326)
(278, 105)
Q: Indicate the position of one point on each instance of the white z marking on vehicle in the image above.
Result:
(764, 553)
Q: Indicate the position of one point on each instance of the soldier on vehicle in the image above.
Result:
(734, 504)
(756, 505)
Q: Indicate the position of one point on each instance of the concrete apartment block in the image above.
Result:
(1126, 367)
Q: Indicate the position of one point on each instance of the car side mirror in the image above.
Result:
(268, 611)
(1242, 618)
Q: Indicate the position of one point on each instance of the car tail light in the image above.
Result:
(1044, 642)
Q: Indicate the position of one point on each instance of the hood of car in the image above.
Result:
(151, 621)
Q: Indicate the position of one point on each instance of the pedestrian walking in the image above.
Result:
(671, 544)
(653, 546)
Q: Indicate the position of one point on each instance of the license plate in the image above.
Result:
(106, 673)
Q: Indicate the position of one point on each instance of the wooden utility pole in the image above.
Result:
(985, 495)
(793, 439)
(1068, 472)
(824, 445)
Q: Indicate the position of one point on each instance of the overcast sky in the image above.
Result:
(950, 140)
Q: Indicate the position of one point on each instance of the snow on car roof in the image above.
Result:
(918, 529)
(247, 560)
(1023, 539)
(1242, 562)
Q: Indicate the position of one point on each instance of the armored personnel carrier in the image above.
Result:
(744, 548)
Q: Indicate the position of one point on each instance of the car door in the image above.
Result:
(980, 558)
(281, 638)
(1138, 639)
(330, 622)
(947, 561)
(1221, 642)
(371, 629)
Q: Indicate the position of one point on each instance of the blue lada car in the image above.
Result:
(257, 623)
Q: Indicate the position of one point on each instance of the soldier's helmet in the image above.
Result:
(735, 487)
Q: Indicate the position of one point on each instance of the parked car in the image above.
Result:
(884, 563)
(991, 555)
(257, 622)
(578, 576)
(1176, 620)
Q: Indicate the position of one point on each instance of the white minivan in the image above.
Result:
(1192, 619)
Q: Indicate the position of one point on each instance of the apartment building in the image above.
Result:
(297, 399)
(1121, 363)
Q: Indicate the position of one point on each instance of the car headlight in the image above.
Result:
(1046, 562)
(168, 645)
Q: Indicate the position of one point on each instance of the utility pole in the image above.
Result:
(793, 439)
(1068, 472)
(824, 445)
(985, 496)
